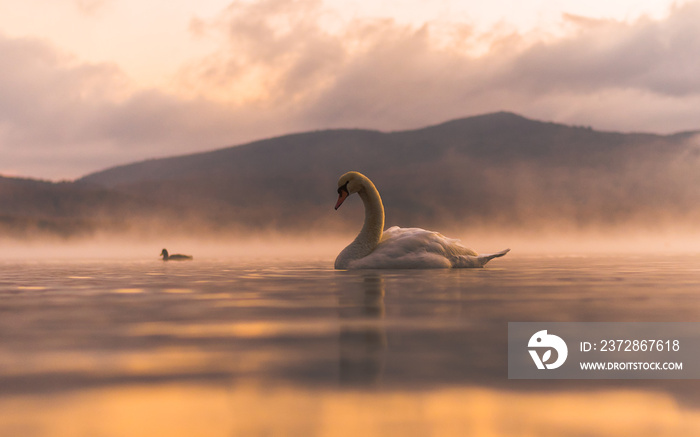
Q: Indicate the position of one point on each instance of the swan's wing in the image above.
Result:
(421, 239)
(411, 248)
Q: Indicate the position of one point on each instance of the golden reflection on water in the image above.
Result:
(250, 409)
(129, 290)
(178, 290)
(160, 362)
(241, 329)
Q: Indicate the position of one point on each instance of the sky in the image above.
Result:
(89, 84)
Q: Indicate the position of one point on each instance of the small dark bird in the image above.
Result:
(176, 257)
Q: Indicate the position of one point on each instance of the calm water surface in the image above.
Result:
(226, 347)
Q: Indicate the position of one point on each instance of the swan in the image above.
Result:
(176, 257)
(396, 248)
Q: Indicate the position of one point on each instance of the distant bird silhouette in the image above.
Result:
(176, 257)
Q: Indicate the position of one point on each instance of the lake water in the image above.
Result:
(227, 347)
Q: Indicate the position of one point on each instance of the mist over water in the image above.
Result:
(321, 245)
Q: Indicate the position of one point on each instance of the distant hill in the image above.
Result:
(499, 169)
(32, 208)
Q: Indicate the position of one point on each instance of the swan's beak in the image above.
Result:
(341, 198)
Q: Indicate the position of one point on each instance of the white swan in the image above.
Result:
(397, 248)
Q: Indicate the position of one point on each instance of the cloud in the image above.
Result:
(654, 56)
(275, 51)
(381, 74)
(61, 118)
(285, 66)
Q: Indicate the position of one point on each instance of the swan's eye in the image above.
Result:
(343, 188)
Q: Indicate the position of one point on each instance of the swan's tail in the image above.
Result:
(489, 256)
(469, 261)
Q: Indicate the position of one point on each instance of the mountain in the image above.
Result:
(497, 169)
(40, 208)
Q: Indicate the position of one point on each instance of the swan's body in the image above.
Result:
(176, 257)
(397, 248)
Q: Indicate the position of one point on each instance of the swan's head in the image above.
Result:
(164, 252)
(349, 183)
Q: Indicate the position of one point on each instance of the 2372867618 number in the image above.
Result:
(639, 345)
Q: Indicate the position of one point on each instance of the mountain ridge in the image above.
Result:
(479, 126)
(498, 169)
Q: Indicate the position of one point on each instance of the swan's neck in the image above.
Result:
(371, 233)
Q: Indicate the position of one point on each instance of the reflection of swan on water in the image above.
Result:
(397, 247)
(362, 334)
(176, 257)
